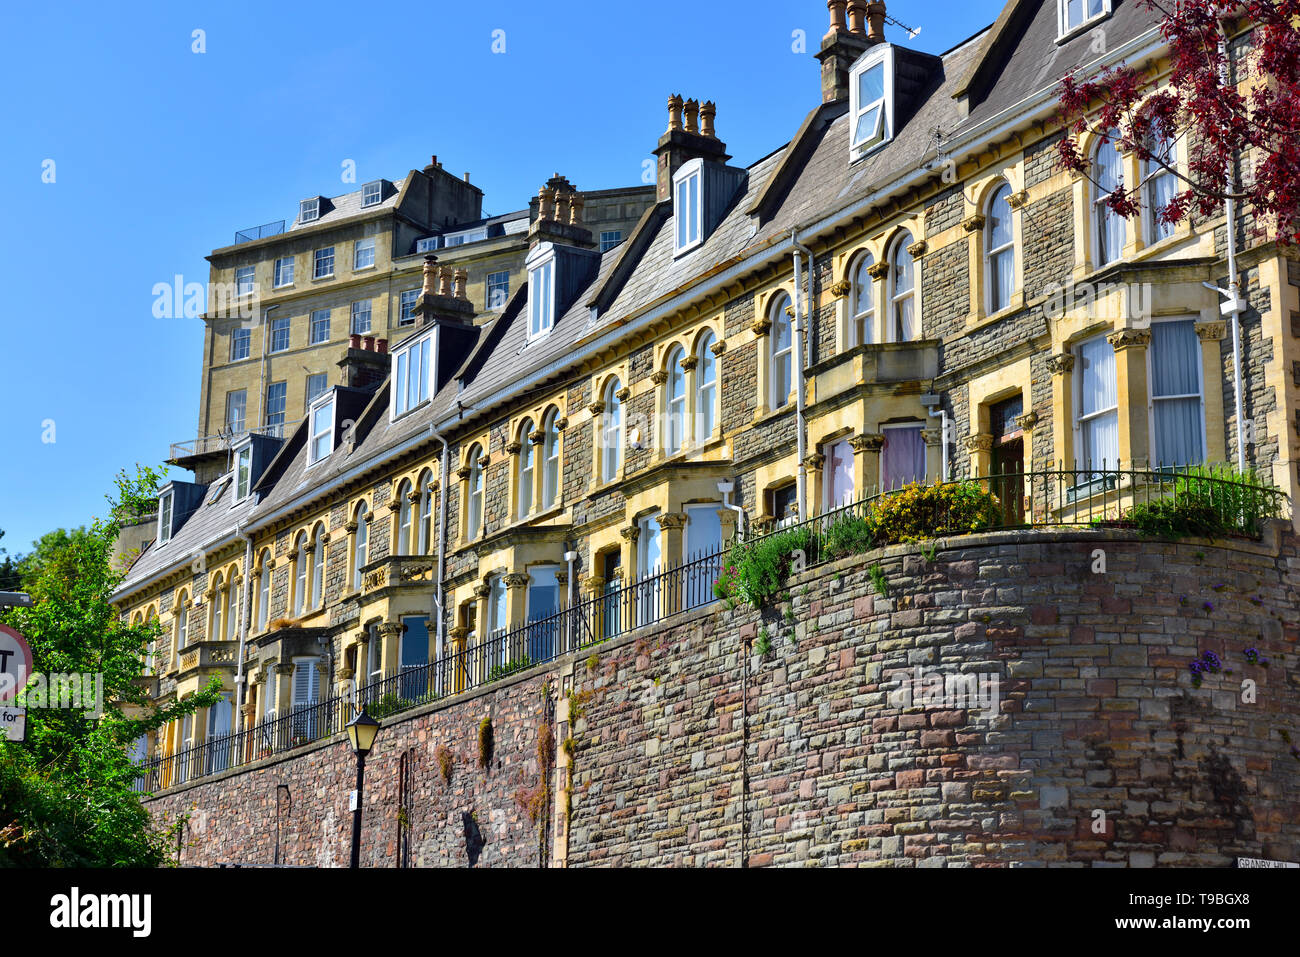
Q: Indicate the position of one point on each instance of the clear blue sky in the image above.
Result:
(160, 154)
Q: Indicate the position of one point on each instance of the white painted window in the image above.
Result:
(243, 472)
(498, 290)
(264, 592)
(309, 210)
(527, 469)
(498, 617)
(1073, 14)
(372, 194)
(1161, 187)
(837, 477)
(317, 383)
(165, 502)
(1108, 225)
(361, 318)
(375, 655)
(236, 404)
(303, 571)
(363, 254)
(240, 344)
(276, 399)
(611, 457)
(232, 609)
(999, 250)
(244, 280)
(321, 435)
(284, 272)
(320, 326)
(550, 460)
(323, 263)
(675, 403)
(1097, 406)
(405, 509)
(182, 624)
(871, 101)
(317, 593)
(474, 493)
(903, 326)
(360, 545)
(902, 458)
(609, 239)
(706, 389)
(218, 607)
(649, 557)
(306, 692)
(411, 375)
(406, 315)
(1177, 396)
(541, 298)
(862, 302)
(280, 334)
(688, 188)
(425, 527)
(781, 355)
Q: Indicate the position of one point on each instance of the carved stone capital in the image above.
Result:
(283, 669)
(597, 407)
(561, 423)
(463, 473)
(1027, 421)
(413, 496)
(1016, 200)
(1211, 331)
(719, 347)
(350, 528)
(513, 447)
(536, 437)
(918, 249)
(515, 580)
(458, 633)
(815, 461)
(669, 520)
(932, 437)
(979, 442)
(624, 394)
(867, 442)
(878, 270)
(689, 362)
(390, 629)
(761, 327)
(482, 590)
(1061, 364)
(1123, 339)
(841, 289)
(659, 377)
(631, 533)
(345, 673)
(973, 224)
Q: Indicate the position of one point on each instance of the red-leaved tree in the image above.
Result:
(1244, 105)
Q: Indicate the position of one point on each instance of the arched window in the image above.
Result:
(902, 293)
(218, 603)
(360, 547)
(425, 526)
(474, 507)
(781, 364)
(301, 572)
(151, 651)
(1161, 185)
(999, 250)
(232, 608)
(317, 593)
(1108, 224)
(674, 402)
(264, 590)
(611, 457)
(182, 623)
(706, 389)
(862, 303)
(404, 509)
(550, 459)
(526, 468)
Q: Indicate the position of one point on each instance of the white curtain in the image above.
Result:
(1176, 393)
(1099, 425)
(902, 460)
(1110, 225)
(838, 478)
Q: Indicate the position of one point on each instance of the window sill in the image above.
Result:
(606, 487)
(1082, 28)
(978, 319)
(764, 417)
(287, 285)
(322, 278)
(371, 268)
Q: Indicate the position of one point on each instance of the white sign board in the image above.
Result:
(15, 669)
(352, 800)
(1258, 862)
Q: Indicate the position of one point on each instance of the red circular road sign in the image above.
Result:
(15, 663)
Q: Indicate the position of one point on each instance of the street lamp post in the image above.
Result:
(361, 732)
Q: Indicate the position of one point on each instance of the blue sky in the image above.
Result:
(160, 154)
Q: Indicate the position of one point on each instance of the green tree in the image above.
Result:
(66, 795)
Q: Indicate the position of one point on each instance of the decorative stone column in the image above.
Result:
(1131, 386)
(283, 688)
(458, 636)
(390, 633)
(980, 447)
(1211, 334)
(516, 597)
(866, 461)
(673, 525)
(1061, 366)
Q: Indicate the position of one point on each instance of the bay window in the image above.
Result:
(902, 457)
(1177, 405)
(1097, 405)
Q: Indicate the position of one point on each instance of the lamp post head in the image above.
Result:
(361, 732)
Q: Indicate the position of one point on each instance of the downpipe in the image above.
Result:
(798, 332)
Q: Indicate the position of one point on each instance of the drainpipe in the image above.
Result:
(444, 484)
(726, 488)
(261, 398)
(931, 401)
(243, 624)
(800, 429)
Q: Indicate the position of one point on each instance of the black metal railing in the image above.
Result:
(1044, 498)
(259, 232)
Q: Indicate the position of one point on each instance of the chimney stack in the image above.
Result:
(690, 135)
(844, 43)
(558, 217)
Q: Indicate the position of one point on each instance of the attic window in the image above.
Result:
(321, 435)
(541, 293)
(243, 472)
(688, 186)
(871, 93)
(165, 502)
(309, 210)
(372, 193)
(411, 373)
(1074, 15)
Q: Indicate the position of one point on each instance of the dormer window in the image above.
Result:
(541, 296)
(321, 435)
(243, 472)
(871, 92)
(687, 190)
(1074, 15)
(309, 210)
(165, 502)
(411, 370)
(372, 193)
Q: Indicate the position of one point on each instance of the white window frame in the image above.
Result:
(360, 308)
(675, 405)
(829, 502)
(894, 298)
(610, 238)
(243, 472)
(706, 393)
(405, 509)
(369, 198)
(323, 378)
(1153, 173)
(541, 291)
(775, 356)
(497, 280)
(319, 430)
(990, 253)
(277, 324)
(316, 594)
(166, 504)
(360, 545)
(1076, 415)
(403, 400)
(1152, 398)
(319, 256)
(282, 274)
(1099, 212)
(235, 339)
(611, 439)
(474, 495)
(263, 592)
(359, 248)
(320, 318)
(526, 472)
(881, 55)
(885, 430)
(688, 207)
(550, 461)
(424, 517)
(245, 276)
(406, 306)
(862, 322)
(243, 411)
(1064, 31)
(309, 210)
(284, 405)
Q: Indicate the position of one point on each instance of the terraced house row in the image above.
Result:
(910, 288)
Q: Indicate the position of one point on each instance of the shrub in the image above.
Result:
(849, 535)
(443, 756)
(388, 704)
(755, 571)
(485, 742)
(509, 668)
(918, 512)
(1208, 501)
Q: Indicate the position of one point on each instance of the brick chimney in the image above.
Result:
(557, 216)
(846, 40)
(365, 364)
(690, 135)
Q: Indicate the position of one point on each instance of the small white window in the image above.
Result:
(837, 479)
(323, 263)
(320, 326)
(550, 460)
(360, 545)
(322, 430)
(240, 343)
(871, 106)
(781, 359)
(611, 456)
(498, 290)
(361, 318)
(309, 210)
(1000, 250)
(675, 403)
(609, 239)
(902, 458)
(527, 469)
(280, 334)
(236, 403)
(165, 502)
(687, 189)
(541, 298)
(1073, 14)
(474, 495)
(317, 383)
(1161, 186)
(371, 194)
(284, 272)
(706, 389)
(411, 373)
(862, 303)
(902, 293)
(1177, 402)
(244, 280)
(406, 315)
(363, 255)
(1109, 226)
(243, 472)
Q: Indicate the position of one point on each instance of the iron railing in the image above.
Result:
(228, 438)
(1052, 497)
(259, 232)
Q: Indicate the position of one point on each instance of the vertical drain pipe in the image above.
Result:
(797, 331)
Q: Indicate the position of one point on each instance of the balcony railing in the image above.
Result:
(259, 232)
(1054, 497)
(227, 439)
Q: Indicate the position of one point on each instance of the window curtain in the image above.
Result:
(839, 474)
(902, 460)
(1110, 225)
(1098, 404)
(1176, 393)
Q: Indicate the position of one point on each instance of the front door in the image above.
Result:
(543, 608)
(1007, 463)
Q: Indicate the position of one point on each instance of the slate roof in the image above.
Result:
(349, 205)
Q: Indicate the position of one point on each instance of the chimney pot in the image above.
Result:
(430, 275)
(857, 10)
(368, 343)
(546, 203)
(444, 281)
(674, 112)
(876, 21)
(692, 116)
(462, 276)
(354, 341)
(382, 346)
(707, 112)
(433, 160)
(836, 8)
(576, 202)
(467, 176)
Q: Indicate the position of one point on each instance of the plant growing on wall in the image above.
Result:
(443, 756)
(485, 742)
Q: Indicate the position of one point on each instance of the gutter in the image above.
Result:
(443, 491)
(801, 426)
(243, 625)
